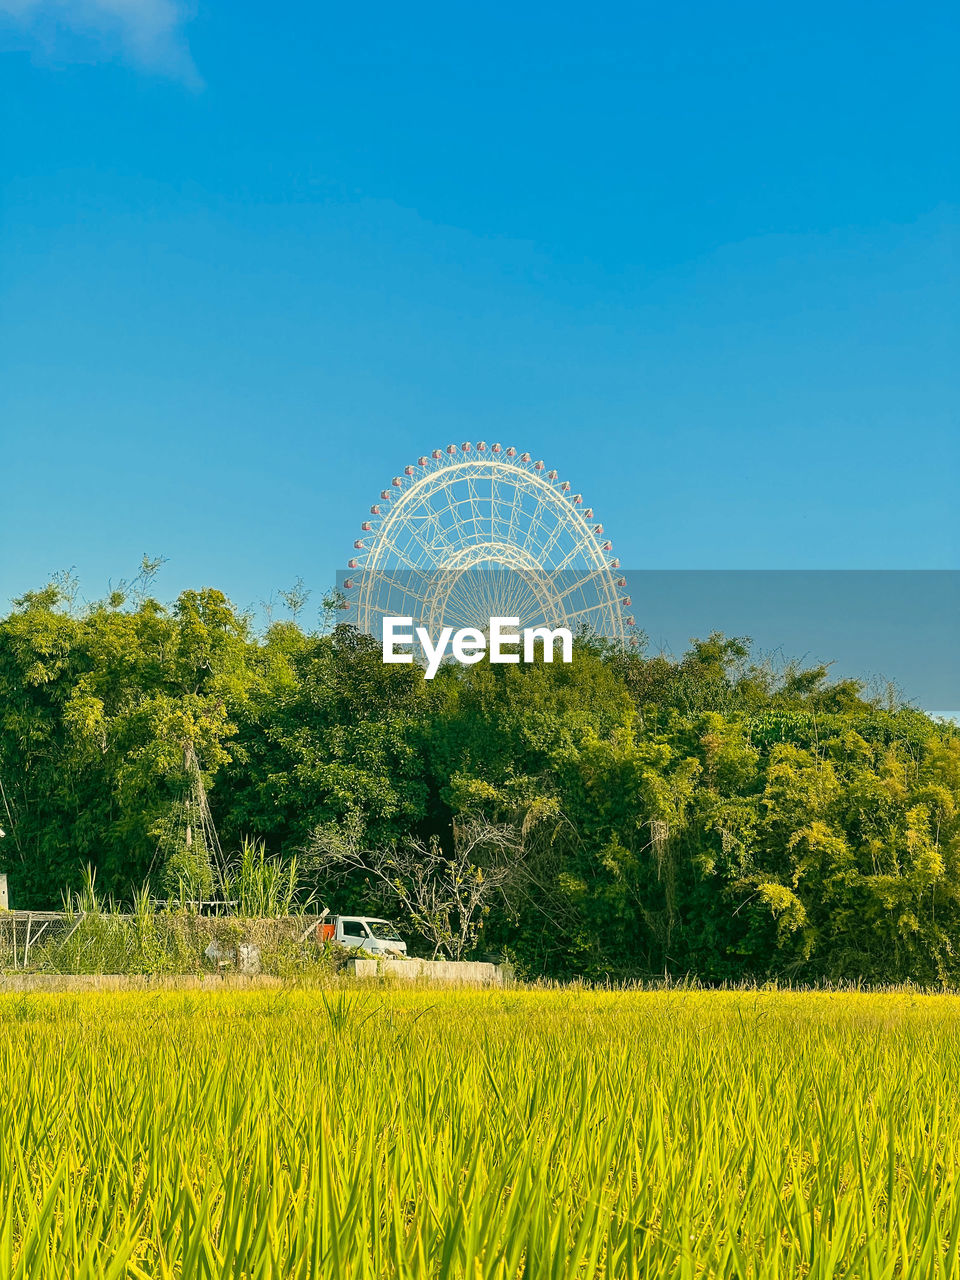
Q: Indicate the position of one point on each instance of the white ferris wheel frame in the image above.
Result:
(566, 543)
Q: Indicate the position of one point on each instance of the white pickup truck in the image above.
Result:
(378, 937)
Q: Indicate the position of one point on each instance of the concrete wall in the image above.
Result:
(448, 971)
(454, 971)
(13, 983)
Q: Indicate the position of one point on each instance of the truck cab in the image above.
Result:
(369, 933)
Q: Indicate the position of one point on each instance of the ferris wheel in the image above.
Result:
(476, 531)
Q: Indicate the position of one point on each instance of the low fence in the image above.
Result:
(23, 934)
(22, 930)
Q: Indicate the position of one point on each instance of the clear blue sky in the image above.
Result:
(254, 258)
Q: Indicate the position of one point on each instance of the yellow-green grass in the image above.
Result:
(553, 1133)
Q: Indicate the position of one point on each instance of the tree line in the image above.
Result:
(626, 815)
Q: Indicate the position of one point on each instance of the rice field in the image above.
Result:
(537, 1133)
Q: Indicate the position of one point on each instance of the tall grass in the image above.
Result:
(103, 939)
(532, 1134)
(261, 886)
(174, 940)
(98, 936)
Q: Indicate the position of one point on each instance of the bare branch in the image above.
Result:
(446, 896)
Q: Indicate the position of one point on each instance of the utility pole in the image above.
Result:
(4, 895)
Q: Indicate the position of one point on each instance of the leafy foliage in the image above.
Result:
(709, 815)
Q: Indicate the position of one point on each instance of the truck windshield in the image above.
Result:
(384, 930)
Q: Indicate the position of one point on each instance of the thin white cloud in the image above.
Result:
(147, 32)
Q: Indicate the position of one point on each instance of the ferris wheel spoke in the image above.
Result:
(467, 609)
(516, 598)
(475, 506)
(534, 522)
(588, 578)
(560, 527)
(509, 499)
(530, 609)
(513, 531)
(494, 501)
(461, 534)
(427, 525)
(546, 535)
(405, 561)
(393, 550)
(435, 531)
(579, 552)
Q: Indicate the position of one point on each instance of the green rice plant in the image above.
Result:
(480, 1135)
